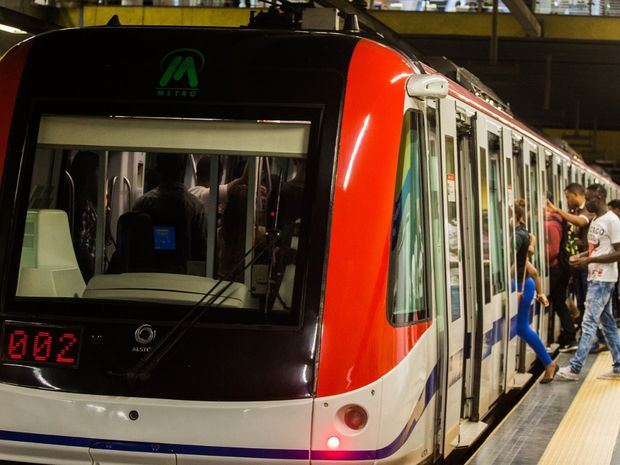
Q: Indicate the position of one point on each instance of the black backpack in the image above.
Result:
(568, 248)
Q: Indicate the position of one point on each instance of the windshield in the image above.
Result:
(158, 210)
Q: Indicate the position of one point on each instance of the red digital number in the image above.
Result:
(17, 344)
(69, 339)
(42, 343)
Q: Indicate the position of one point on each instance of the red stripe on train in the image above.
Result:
(11, 69)
(358, 344)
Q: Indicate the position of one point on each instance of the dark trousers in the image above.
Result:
(559, 283)
(580, 288)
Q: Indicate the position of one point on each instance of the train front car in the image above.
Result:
(300, 339)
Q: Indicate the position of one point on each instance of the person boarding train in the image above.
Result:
(527, 287)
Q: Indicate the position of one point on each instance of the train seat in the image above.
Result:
(285, 291)
(134, 248)
(143, 247)
(48, 266)
(164, 287)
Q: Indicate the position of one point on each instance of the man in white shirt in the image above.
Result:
(601, 257)
(202, 189)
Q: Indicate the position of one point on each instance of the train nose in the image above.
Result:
(106, 430)
(117, 453)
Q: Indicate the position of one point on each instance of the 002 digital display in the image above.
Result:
(40, 344)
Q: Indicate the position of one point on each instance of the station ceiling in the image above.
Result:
(582, 86)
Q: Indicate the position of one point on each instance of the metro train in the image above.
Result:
(363, 206)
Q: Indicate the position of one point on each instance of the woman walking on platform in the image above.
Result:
(527, 288)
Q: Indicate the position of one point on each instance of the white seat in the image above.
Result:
(48, 265)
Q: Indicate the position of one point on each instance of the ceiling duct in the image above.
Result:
(468, 80)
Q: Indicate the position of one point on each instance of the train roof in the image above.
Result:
(460, 93)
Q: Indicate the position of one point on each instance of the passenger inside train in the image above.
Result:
(202, 189)
(176, 218)
(144, 225)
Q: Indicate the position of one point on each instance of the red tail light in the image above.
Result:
(355, 417)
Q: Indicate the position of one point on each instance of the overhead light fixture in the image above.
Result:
(11, 30)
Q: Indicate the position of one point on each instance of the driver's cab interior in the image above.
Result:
(125, 209)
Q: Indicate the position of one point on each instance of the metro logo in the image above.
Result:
(180, 70)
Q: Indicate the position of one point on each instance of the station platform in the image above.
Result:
(561, 423)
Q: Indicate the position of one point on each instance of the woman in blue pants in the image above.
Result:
(528, 288)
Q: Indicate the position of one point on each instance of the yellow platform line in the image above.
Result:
(589, 430)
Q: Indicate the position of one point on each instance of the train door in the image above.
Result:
(521, 184)
(554, 173)
(493, 238)
(455, 321)
(512, 379)
(428, 175)
(473, 293)
(530, 197)
(538, 208)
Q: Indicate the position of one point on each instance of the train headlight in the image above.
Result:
(333, 442)
(355, 417)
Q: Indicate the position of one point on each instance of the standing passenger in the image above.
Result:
(614, 206)
(83, 170)
(202, 189)
(579, 217)
(559, 271)
(527, 287)
(604, 252)
(170, 205)
(530, 268)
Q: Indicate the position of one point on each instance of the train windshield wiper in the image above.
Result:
(142, 370)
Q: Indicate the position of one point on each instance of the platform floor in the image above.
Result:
(562, 423)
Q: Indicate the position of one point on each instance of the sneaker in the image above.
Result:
(568, 347)
(611, 375)
(567, 374)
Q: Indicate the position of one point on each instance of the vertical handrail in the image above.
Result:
(128, 184)
(113, 182)
(71, 199)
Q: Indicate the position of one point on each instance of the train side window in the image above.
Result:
(532, 207)
(519, 174)
(486, 250)
(497, 220)
(406, 299)
(453, 229)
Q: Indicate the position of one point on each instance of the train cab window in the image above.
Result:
(406, 299)
(154, 210)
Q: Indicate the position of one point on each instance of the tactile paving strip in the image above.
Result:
(589, 430)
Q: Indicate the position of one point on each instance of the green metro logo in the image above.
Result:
(180, 70)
